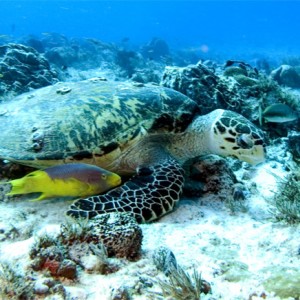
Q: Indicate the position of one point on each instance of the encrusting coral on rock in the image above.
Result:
(114, 234)
(22, 68)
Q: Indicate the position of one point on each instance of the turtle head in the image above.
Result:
(233, 135)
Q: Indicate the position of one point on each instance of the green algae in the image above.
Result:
(283, 281)
(286, 204)
(245, 80)
(234, 71)
(235, 271)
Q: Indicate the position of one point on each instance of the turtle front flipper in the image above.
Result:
(150, 194)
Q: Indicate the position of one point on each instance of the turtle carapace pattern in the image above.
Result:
(144, 131)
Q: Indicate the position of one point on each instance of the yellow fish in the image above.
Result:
(69, 180)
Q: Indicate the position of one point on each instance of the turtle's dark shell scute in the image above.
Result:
(80, 120)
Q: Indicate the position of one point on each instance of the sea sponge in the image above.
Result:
(119, 232)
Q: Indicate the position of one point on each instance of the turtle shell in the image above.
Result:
(88, 120)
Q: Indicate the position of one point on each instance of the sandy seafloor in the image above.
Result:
(236, 253)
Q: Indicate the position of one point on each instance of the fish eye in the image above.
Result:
(103, 176)
(244, 141)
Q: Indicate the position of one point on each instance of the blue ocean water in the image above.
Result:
(207, 26)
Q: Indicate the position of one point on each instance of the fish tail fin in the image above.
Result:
(17, 187)
(26, 185)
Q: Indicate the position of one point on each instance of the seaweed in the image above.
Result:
(286, 206)
(164, 260)
(183, 286)
(42, 242)
(74, 230)
(14, 284)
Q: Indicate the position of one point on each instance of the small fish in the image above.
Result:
(241, 64)
(68, 180)
(256, 71)
(125, 40)
(279, 113)
(229, 63)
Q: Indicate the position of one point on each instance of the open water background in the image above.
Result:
(204, 26)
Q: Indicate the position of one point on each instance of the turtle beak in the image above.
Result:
(255, 156)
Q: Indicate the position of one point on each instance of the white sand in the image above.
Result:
(236, 253)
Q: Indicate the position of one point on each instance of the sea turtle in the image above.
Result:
(144, 130)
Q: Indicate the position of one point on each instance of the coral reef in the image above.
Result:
(87, 244)
(127, 60)
(63, 56)
(150, 72)
(22, 68)
(16, 284)
(13, 284)
(156, 49)
(215, 176)
(79, 245)
(80, 53)
(200, 84)
(34, 43)
(49, 254)
(286, 75)
(213, 87)
(239, 88)
(82, 58)
(294, 144)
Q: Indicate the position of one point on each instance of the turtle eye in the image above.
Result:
(244, 141)
(103, 176)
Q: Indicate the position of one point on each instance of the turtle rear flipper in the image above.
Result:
(150, 194)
